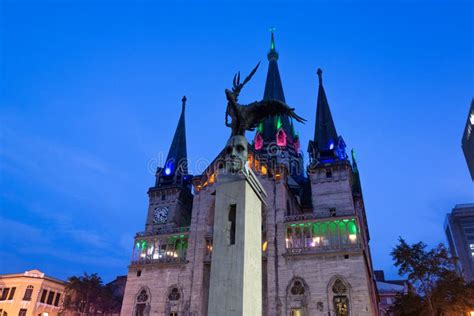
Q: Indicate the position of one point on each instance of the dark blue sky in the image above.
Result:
(90, 95)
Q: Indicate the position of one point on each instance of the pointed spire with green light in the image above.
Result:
(274, 91)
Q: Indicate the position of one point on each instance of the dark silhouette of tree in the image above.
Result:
(436, 288)
(88, 295)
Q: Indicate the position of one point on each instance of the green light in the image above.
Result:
(181, 236)
(352, 227)
(260, 127)
(301, 225)
(293, 225)
(278, 122)
(272, 43)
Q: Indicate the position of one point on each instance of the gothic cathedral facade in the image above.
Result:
(315, 249)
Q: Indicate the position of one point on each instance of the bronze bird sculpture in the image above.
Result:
(247, 117)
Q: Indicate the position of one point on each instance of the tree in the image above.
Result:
(437, 288)
(89, 296)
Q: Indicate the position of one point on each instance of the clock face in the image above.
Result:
(160, 215)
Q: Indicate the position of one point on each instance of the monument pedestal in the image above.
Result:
(236, 266)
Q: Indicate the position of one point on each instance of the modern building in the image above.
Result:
(315, 249)
(468, 140)
(388, 291)
(31, 293)
(459, 228)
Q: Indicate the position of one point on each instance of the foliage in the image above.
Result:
(436, 288)
(88, 295)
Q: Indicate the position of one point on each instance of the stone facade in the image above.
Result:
(316, 269)
(315, 240)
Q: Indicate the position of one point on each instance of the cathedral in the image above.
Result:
(315, 239)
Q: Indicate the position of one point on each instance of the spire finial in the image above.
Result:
(272, 54)
(272, 43)
(184, 102)
(320, 76)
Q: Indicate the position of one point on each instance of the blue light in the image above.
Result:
(167, 171)
(331, 146)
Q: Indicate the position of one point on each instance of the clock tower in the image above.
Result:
(170, 200)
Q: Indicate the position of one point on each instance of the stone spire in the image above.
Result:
(326, 144)
(176, 164)
(325, 135)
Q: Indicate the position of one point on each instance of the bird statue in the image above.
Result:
(247, 117)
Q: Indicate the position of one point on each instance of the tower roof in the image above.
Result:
(325, 135)
(274, 91)
(273, 86)
(176, 161)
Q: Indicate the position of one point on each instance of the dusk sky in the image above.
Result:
(90, 95)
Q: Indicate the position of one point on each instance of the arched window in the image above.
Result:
(297, 297)
(340, 298)
(142, 305)
(28, 293)
(174, 305)
(174, 294)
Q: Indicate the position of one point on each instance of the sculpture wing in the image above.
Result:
(258, 111)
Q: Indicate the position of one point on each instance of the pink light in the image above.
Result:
(258, 140)
(281, 138)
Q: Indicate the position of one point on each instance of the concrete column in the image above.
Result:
(236, 267)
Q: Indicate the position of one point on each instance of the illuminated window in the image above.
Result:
(264, 170)
(281, 138)
(340, 300)
(258, 141)
(296, 312)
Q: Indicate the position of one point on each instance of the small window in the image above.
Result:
(22, 312)
(50, 298)
(43, 296)
(328, 174)
(163, 197)
(232, 219)
(173, 314)
(332, 211)
(12, 293)
(4, 294)
(56, 300)
(139, 273)
(28, 293)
